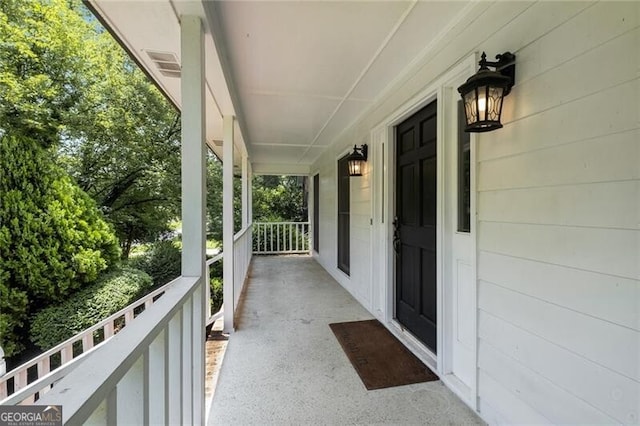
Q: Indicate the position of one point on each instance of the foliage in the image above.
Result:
(279, 199)
(216, 294)
(214, 200)
(53, 239)
(162, 262)
(66, 83)
(93, 303)
(41, 71)
(126, 151)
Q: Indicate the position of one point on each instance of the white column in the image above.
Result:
(246, 184)
(194, 153)
(250, 195)
(227, 223)
(194, 171)
(3, 365)
(311, 190)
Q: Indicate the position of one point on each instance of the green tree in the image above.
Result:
(214, 199)
(53, 239)
(40, 68)
(67, 83)
(279, 199)
(123, 147)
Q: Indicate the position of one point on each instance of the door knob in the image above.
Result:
(396, 236)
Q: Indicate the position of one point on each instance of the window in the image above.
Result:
(316, 213)
(343, 215)
(464, 174)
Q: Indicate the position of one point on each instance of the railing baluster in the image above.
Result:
(187, 347)
(109, 330)
(130, 395)
(20, 380)
(128, 316)
(87, 342)
(290, 237)
(44, 366)
(155, 380)
(66, 354)
(173, 370)
(279, 238)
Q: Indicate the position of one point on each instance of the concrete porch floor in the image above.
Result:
(283, 364)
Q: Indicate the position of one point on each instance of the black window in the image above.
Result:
(343, 215)
(316, 213)
(464, 174)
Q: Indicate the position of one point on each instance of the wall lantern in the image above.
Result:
(483, 92)
(357, 159)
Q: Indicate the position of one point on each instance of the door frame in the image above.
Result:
(383, 208)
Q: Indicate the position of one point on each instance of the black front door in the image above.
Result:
(415, 224)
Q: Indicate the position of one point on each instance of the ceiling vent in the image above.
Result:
(165, 62)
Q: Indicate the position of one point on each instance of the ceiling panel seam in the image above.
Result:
(470, 8)
(366, 69)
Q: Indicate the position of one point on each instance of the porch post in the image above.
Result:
(3, 364)
(227, 223)
(193, 209)
(245, 191)
(250, 197)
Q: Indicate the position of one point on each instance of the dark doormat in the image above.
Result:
(379, 358)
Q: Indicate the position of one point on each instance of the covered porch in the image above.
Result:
(534, 285)
(284, 365)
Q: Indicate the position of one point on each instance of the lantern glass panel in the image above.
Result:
(355, 167)
(470, 107)
(494, 103)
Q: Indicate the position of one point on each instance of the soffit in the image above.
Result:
(296, 74)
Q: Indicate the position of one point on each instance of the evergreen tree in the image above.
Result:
(53, 238)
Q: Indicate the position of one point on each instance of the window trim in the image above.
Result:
(343, 244)
(316, 212)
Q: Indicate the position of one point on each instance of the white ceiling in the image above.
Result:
(296, 74)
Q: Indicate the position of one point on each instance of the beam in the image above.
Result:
(280, 169)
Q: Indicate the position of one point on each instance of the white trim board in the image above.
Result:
(383, 206)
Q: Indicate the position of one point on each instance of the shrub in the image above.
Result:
(216, 294)
(112, 292)
(53, 238)
(162, 262)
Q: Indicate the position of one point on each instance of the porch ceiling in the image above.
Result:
(296, 74)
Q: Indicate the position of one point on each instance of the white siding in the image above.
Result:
(359, 281)
(558, 209)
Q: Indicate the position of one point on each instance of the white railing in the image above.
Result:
(281, 237)
(212, 316)
(241, 259)
(152, 372)
(68, 351)
(34, 378)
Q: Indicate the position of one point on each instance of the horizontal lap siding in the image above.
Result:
(359, 281)
(558, 208)
(559, 228)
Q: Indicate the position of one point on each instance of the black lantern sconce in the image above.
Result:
(484, 91)
(357, 159)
